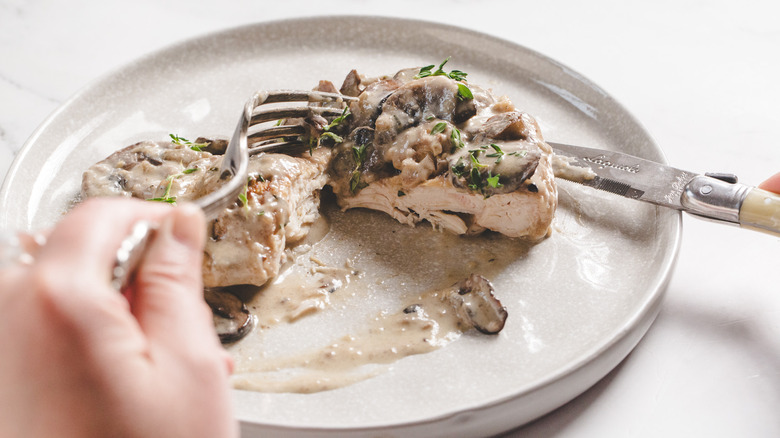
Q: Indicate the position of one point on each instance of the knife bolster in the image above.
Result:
(714, 198)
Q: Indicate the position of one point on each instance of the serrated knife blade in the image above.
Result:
(625, 175)
(717, 198)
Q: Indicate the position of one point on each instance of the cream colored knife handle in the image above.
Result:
(760, 210)
(713, 198)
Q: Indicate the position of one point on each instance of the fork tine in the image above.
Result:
(302, 96)
(276, 96)
(234, 167)
(287, 147)
(259, 141)
(269, 114)
(276, 132)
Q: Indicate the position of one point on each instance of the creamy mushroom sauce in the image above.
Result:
(394, 310)
(428, 323)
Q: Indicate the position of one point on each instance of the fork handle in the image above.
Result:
(130, 253)
(760, 211)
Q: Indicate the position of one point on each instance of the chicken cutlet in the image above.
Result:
(432, 147)
(247, 240)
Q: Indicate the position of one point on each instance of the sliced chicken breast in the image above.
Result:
(422, 148)
(246, 241)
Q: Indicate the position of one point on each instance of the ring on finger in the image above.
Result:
(19, 248)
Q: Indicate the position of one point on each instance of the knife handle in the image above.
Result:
(760, 211)
(730, 202)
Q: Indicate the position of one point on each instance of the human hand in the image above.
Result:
(81, 360)
(772, 184)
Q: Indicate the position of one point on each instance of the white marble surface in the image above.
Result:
(701, 75)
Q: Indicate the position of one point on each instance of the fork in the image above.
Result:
(235, 163)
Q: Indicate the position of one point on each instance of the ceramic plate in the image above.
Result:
(578, 301)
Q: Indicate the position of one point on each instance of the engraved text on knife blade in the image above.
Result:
(677, 188)
(602, 161)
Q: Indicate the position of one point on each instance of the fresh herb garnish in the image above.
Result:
(439, 128)
(498, 154)
(464, 92)
(166, 197)
(337, 121)
(184, 142)
(359, 155)
(456, 139)
(492, 181)
(179, 140)
(336, 138)
(474, 155)
(474, 174)
(244, 195)
(327, 133)
(459, 169)
(428, 71)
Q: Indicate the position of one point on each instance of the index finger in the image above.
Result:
(772, 184)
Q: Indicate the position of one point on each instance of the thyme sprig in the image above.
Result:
(184, 142)
(498, 154)
(477, 175)
(464, 92)
(327, 132)
(456, 139)
(359, 155)
(166, 197)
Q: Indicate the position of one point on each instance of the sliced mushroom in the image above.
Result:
(351, 85)
(476, 305)
(216, 146)
(430, 97)
(232, 319)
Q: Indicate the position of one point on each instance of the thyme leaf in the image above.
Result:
(456, 139)
(337, 121)
(464, 92)
(336, 138)
(439, 128)
(493, 181)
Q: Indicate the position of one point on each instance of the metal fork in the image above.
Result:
(234, 168)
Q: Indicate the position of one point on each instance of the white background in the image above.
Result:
(702, 76)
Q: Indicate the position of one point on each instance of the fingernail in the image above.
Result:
(188, 226)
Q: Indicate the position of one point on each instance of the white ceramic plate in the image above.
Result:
(578, 302)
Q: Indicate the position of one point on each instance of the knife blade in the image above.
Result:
(710, 196)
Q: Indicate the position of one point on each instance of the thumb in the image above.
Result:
(167, 294)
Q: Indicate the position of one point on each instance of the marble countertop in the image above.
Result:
(702, 76)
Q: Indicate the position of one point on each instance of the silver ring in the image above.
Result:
(18, 248)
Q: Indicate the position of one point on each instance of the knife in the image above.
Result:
(718, 197)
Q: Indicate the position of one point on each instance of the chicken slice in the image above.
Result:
(417, 149)
(246, 241)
